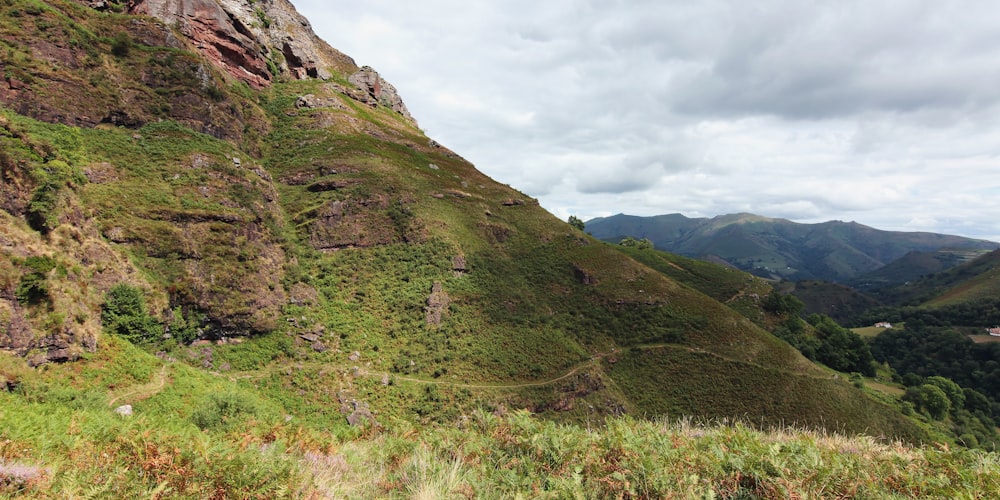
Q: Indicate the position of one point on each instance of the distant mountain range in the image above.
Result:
(781, 249)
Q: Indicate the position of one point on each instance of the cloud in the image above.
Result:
(880, 112)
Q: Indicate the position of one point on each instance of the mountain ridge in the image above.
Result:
(778, 248)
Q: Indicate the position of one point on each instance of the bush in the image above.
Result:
(121, 45)
(643, 244)
(33, 286)
(221, 411)
(124, 313)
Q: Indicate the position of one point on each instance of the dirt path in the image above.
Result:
(573, 370)
(144, 391)
(537, 383)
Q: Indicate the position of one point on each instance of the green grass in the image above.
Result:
(821, 400)
(201, 436)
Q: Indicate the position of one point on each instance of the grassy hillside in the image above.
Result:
(840, 302)
(739, 290)
(975, 280)
(195, 434)
(914, 266)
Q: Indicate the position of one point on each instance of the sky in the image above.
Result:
(882, 112)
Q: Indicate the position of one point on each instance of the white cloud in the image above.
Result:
(880, 112)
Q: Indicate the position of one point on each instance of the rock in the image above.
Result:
(584, 276)
(354, 356)
(379, 91)
(437, 304)
(458, 265)
(242, 38)
(500, 410)
(320, 347)
(327, 185)
(361, 415)
(223, 40)
(15, 330)
(15, 84)
(311, 101)
(124, 410)
(37, 360)
(100, 5)
(21, 477)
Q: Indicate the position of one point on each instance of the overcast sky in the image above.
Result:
(882, 112)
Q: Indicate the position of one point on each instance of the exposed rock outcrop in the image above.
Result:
(224, 40)
(379, 91)
(251, 41)
(256, 42)
(437, 304)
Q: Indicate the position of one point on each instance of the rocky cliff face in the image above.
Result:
(257, 41)
(252, 41)
(132, 70)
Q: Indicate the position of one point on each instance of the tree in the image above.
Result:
(576, 222)
(782, 304)
(840, 348)
(124, 313)
(976, 401)
(935, 401)
(951, 389)
(643, 244)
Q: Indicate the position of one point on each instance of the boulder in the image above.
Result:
(379, 91)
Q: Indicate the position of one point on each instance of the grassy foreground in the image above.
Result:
(196, 436)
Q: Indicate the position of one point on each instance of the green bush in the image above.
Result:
(124, 313)
(221, 411)
(33, 287)
(121, 45)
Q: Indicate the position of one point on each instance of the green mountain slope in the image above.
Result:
(777, 248)
(837, 301)
(913, 266)
(974, 281)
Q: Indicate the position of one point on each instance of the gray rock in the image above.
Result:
(379, 91)
(124, 410)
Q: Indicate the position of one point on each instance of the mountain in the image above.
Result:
(913, 266)
(840, 302)
(232, 264)
(777, 248)
(974, 281)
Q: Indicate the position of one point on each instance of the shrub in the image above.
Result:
(225, 409)
(33, 287)
(121, 45)
(124, 313)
